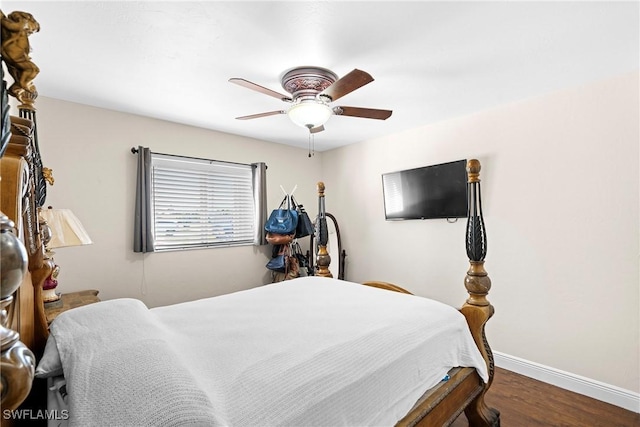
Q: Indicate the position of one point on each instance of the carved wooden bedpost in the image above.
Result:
(322, 259)
(478, 309)
(23, 328)
(16, 29)
(23, 148)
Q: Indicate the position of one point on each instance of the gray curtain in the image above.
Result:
(142, 222)
(259, 176)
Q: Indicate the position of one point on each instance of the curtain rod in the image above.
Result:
(135, 150)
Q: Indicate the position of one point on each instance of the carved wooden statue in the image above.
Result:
(16, 29)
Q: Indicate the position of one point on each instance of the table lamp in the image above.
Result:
(60, 229)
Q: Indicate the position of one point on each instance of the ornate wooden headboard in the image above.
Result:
(23, 193)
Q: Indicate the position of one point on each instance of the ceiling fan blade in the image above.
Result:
(256, 116)
(261, 89)
(366, 113)
(316, 129)
(347, 84)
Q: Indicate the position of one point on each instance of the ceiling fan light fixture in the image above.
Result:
(310, 113)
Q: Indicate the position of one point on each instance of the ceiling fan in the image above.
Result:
(312, 89)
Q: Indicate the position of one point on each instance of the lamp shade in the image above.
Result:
(66, 229)
(310, 113)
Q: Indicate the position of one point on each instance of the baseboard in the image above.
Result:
(605, 392)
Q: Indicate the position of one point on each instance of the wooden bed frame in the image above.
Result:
(24, 182)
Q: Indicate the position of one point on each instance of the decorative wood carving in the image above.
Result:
(477, 309)
(323, 259)
(342, 254)
(16, 29)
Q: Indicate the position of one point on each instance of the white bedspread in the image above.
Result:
(311, 351)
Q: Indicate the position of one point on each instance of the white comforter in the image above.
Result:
(310, 351)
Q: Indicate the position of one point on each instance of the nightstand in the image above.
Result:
(69, 301)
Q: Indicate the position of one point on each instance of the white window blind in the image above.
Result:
(200, 203)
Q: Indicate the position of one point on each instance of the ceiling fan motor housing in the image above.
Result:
(307, 82)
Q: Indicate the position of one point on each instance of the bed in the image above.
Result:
(309, 351)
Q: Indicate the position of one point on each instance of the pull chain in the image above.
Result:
(312, 144)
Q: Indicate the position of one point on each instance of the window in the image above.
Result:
(198, 203)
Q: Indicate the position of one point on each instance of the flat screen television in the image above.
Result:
(436, 191)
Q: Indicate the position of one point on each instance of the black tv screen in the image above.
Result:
(437, 191)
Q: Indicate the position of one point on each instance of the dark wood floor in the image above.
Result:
(524, 402)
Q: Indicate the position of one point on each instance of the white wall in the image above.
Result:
(89, 151)
(560, 184)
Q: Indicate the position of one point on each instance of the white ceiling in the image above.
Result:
(430, 60)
